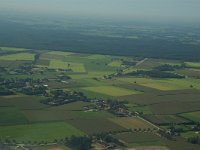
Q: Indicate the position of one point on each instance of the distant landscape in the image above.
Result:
(102, 37)
(99, 75)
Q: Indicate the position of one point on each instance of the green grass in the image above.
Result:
(95, 125)
(139, 139)
(60, 53)
(164, 84)
(39, 132)
(194, 116)
(13, 49)
(190, 134)
(111, 90)
(115, 64)
(193, 64)
(11, 115)
(97, 56)
(19, 56)
(58, 64)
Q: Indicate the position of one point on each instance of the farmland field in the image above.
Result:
(36, 102)
(194, 116)
(111, 90)
(76, 67)
(20, 56)
(132, 123)
(38, 132)
(166, 119)
(165, 84)
(139, 139)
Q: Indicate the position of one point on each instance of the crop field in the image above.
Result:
(132, 123)
(11, 115)
(47, 56)
(13, 49)
(20, 56)
(58, 64)
(60, 53)
(115, 64)
(39, 132)
(111, 90)
(139, 139)
(166, 119)
(165, 84)
(43, 62)
(193, 64)
(194, 116)
(92, 126)
(189, 72)
(27, 116)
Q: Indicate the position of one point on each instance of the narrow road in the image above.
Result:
(149, 123)
(142, 61)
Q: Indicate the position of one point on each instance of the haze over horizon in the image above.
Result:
(153, 10)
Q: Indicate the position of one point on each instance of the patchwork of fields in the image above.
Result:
(159, 102)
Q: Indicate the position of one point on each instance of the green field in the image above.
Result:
(13, 49)
(111, 90)
(11, 115)
(144, 103)
(165, 84)
(95, 125)
(193, 64)
(58, 64)
(194, 116)
(139, 139)
(19, 56)
(60, 53)
(39, 132)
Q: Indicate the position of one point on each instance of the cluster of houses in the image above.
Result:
(115, 107)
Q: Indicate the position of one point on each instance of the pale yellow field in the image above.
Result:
(111, 90)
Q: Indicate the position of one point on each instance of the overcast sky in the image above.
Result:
(188, 10)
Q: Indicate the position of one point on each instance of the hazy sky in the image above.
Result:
(134, 9)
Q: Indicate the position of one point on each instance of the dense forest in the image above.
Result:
(100, 39)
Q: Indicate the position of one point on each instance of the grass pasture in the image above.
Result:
(43, 62)
(132, 123)
(98, 125)
(47, 115)
(13, 49)
(193, 64)
(11, 116)
(166, 119)
(134, 139)
(62, 53)
(165, 84)
(58, 64)
(19, 56)
(115, 64)
(194, 116)
(111, 90)
(39, 132)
